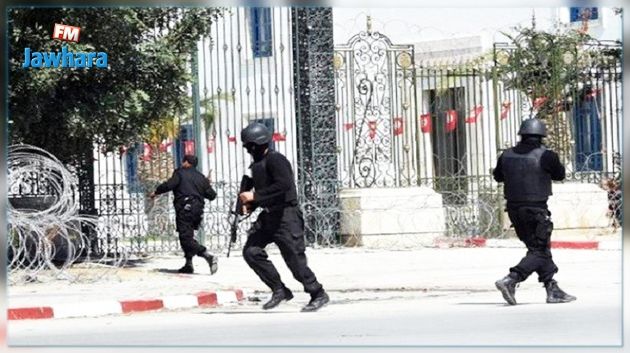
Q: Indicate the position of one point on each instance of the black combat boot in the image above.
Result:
(557, 295)
(318, 300)
(188, 267)
(277, 297)
(212, 260)
(507, 287)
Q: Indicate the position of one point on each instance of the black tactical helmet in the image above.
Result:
(256, 133)
(533, 126)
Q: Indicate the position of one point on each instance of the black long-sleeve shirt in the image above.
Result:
(186, 182)
(281, 186)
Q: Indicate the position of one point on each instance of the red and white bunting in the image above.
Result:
(474, 114)
(505, 109)
(278, 137)
(538, 102)
(147, 152)
(189, 147)
(425, 123)
(451, 120)
(372, 129)
(165, 145)
(398, 126)
(593, 93)
(211, 145)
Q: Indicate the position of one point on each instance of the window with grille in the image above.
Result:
(578, 14)
(260, 24)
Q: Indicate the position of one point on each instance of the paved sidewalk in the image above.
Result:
(152, 283)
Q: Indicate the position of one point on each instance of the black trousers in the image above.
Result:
(187, 220)
(285, 228)
(533, 227)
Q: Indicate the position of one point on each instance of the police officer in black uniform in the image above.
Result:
(527, 170)
(279, 222)
(189, 187)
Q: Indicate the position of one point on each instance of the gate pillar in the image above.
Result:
(314, 89)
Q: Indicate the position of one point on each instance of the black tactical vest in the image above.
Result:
(259, 173)
(262, 179)
(525, 180)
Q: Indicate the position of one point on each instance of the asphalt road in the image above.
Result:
(403, 317)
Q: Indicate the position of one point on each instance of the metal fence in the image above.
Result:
(244, 73)
(398, 123)
(363, 114)
(249, 71)
(406, 123)
(589, 117)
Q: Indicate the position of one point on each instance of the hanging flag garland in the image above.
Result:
(147, 152)
(372, 129)
(165, 145)
(425, 123)
(189, 147)
(474, 114)
(505, 109)
(278, 137)
(538, 102)
(451, 120)
(211, 145)
(593, 93)
(398, 126)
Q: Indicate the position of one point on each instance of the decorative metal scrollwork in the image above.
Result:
(374, 89)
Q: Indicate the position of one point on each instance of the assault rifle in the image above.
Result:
(247, 183)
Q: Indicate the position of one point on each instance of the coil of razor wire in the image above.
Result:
(47, 237)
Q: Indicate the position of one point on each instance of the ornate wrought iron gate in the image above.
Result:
(376, 109)
(401, 123)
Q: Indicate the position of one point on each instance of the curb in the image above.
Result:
(479, 242)
(588, 245)
(113, 307)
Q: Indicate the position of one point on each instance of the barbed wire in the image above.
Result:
(470, 205)
(48, 238)
(53, 241)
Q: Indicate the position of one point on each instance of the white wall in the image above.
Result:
(269, 80)
(412, 25)
(401, 25)
(466, 32)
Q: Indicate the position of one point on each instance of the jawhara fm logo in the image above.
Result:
(64, 58)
